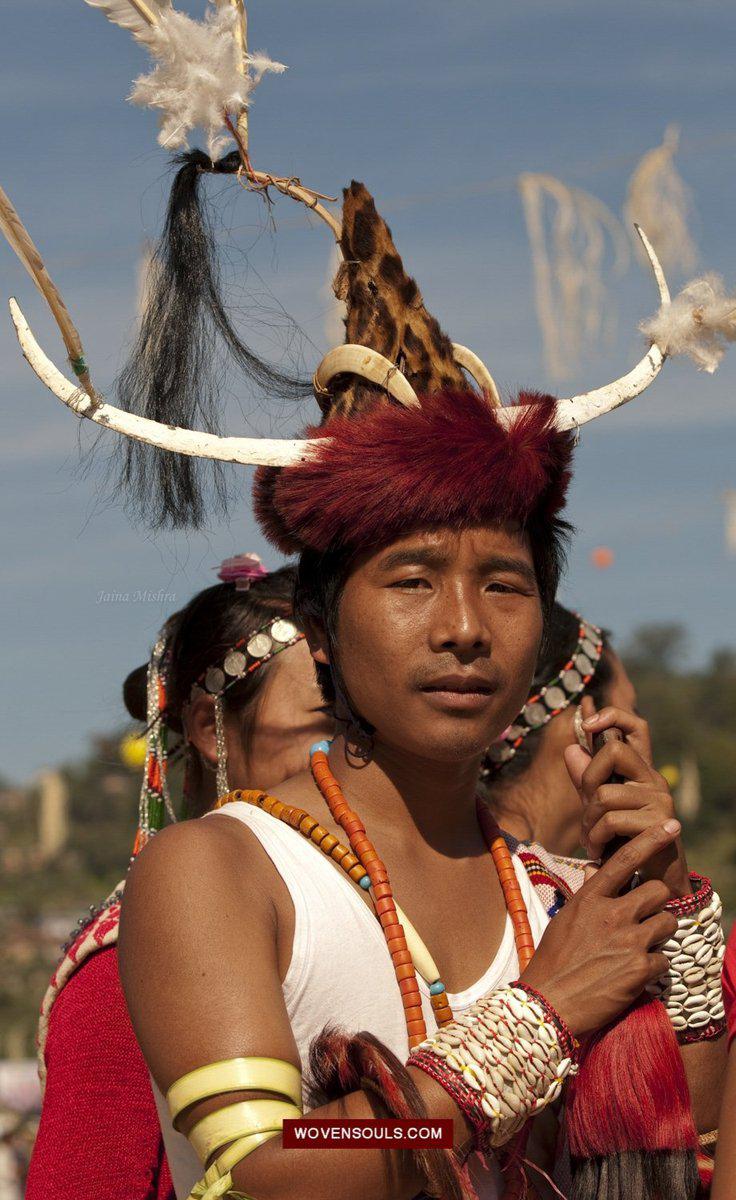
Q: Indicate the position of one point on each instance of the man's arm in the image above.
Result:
(705, 1067)
(199, 964)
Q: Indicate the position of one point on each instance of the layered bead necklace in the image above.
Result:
(362, 864)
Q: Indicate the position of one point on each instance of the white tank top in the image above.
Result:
(341, 971)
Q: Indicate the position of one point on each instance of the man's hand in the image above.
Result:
(600, 952)
(625, 809)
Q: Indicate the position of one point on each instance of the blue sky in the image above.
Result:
(438, 107)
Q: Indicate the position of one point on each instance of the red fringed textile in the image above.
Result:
(99, 1137)
(340, 1064)
(395, 469)
(706, 1166)
(630, 1102)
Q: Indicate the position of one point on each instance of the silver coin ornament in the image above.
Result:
(514, 732)
(214, 680)
(234, 663)
(583, 664)
(259, 645)
(499, 752)
(572, 681)
(283, 631)
(555, 698)
(589, 648)
(535, 714)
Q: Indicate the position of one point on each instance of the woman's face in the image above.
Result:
(289, 718)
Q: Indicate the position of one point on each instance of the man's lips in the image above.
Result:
(459, 683)
(459, 693)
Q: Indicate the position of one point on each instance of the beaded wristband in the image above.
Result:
(692, 990)
(502, 1061)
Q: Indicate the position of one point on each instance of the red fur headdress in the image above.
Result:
(392, 470)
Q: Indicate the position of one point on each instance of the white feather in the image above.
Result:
(259, 63)
(198, 75)
(699, 322)
(130, 16)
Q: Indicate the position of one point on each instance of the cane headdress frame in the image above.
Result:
(395, 357)
(571, 412)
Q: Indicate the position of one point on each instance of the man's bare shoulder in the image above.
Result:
(214, 858)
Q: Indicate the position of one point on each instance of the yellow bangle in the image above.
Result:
(218, 1180)
(238, 1121)
(235, 1075)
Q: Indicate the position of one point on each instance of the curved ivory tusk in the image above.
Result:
(368, 364)
(265, 452)
(586, 407)
(478, 369)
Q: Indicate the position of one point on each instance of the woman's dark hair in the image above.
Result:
(171, 374)
(321, 578)
(199, 636)
(558, 645)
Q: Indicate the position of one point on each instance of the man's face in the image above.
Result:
(438, 635)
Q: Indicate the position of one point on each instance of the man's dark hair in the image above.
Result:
(321, 578)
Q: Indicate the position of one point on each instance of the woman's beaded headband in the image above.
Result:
(252, 650)
(552, 699)
(248, 654)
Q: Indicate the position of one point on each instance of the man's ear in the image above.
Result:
(317, 640)
(199, 726)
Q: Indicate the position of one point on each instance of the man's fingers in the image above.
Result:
(614, 797)
(634, 728)
(626, 823)
(617, 872)
(647, 899)
(658, 929)
(576, 761)
(617, 758)
(658, 965)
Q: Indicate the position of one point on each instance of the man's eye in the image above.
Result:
(503, 588)
(413, 583)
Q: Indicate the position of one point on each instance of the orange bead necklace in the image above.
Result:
(363, 865)
(382, 894)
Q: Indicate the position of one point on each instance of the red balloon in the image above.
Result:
(602, 557)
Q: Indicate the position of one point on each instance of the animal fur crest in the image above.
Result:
(392, 470)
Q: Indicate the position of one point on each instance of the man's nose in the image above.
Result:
(461, 622)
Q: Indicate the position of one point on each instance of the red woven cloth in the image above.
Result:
(99, 1137)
